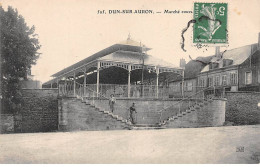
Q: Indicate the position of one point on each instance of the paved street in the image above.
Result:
(193, 145)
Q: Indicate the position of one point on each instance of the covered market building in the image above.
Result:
(123, 69)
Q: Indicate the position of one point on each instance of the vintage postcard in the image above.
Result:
(129, 82)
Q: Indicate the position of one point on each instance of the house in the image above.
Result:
(232, 70)
(29, 82)
(192, 70)
(249, 73)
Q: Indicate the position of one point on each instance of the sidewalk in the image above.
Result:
(187, 145)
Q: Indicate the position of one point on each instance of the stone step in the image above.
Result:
(144, 125)
(179, 115)
(148, 128)
(90, 113)
(116, 117)
(188, 111)
(197, 107)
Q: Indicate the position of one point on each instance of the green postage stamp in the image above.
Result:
(211, 23)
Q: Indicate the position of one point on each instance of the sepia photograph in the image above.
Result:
(129, 82)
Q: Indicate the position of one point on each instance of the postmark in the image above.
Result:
(210, 23)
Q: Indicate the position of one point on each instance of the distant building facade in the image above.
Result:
(192, 70)
(29, 82)
(232, 70)
(249, 73)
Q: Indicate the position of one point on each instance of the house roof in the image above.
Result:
(238, 55)
(254, 60)
(201, 64)
(192, 68)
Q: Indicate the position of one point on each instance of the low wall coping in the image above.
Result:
(223, 99)
(40, 89)
(243, 92)
(6, 115)
(138, 99)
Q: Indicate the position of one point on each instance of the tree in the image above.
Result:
(19, 46)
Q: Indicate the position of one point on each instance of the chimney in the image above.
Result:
(182, 63)
(217, 51)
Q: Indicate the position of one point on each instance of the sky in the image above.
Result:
(71, 30)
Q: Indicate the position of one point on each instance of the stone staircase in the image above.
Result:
(186, 119)
(116, 117)
(81, 115)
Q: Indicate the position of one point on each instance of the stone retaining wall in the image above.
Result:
(6, 123)
(149, 111)
(208, 114)
(75, 115)
(242, 108)
(39, 111)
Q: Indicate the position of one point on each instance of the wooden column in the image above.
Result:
(74, 84)
(85, 82)
(57, 82)
(129, 80)
(65, 86)
(157, 82)
(58, 85)
(98, 66)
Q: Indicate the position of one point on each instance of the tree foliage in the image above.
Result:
(19, 46)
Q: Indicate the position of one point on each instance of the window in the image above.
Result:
(189, 86)
(227, 62)
(210, 81)
(224, 80)
(201, 82)
(167, 83)
(185, 86)
(248, 77)
(217, 81)
(233, 78)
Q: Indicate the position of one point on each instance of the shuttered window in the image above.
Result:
(248, 77)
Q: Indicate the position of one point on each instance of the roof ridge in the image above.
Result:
(241, 47)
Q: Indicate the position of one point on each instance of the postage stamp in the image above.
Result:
(210, 23)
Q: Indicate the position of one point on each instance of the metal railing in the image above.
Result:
(149, 91)
(187, 102)
(96, 99)
(66, 89)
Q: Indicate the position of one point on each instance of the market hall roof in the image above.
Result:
(136, 58)
(128, 51)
